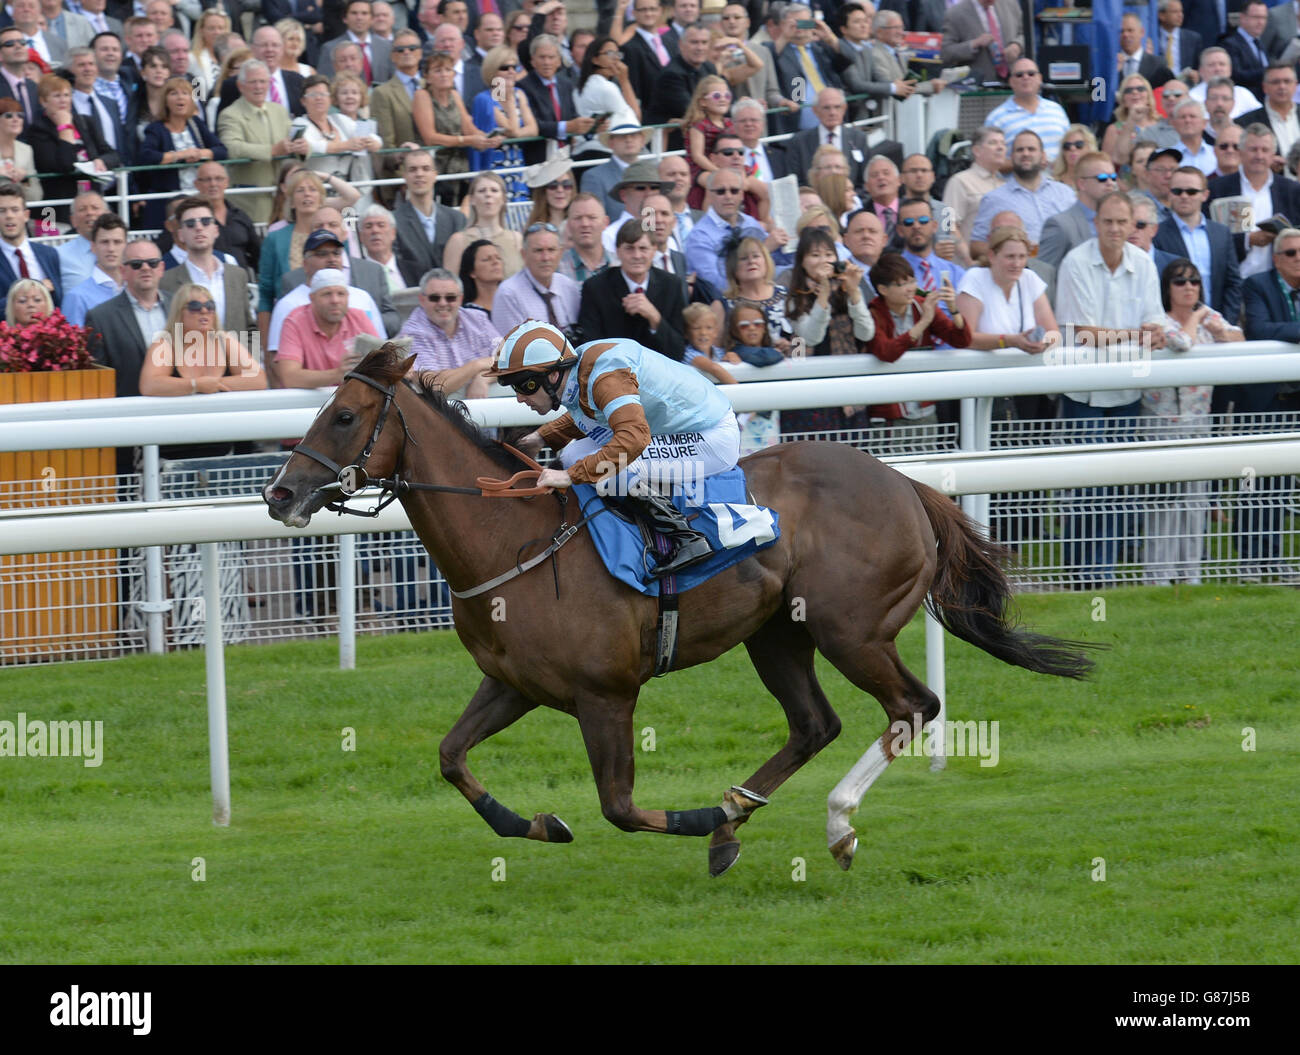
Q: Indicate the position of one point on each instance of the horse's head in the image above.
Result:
(358, 433)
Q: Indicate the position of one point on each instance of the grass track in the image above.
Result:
(368, 856)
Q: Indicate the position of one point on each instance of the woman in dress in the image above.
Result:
(1076, 142)
(209, 359)
(481, 272)
(487, 213)
(442, 121)
(1005, 305)
(706, 119)
(149, 105)
(502, 108)
(17, 163)
(751, 278)
(1174, 532)
(603, 88)
(180, 137)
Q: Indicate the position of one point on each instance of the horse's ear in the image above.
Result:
(407, 364)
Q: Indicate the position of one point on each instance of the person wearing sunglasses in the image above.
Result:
(919, 227)
(197, 233)
(1137, 119)
(1096, 177)
(553, 184)
(452, 346)
(194, 355)
(1077, 142)
(1146, 221)
(123, 327)
(636, 424)
(1208, 245)
(1028, 110)
(1174, 527)
(705, 120)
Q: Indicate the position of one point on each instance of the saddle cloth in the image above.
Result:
(734, 527)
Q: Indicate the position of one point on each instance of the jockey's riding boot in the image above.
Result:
(689, 546)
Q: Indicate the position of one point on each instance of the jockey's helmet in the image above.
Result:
(531, 348)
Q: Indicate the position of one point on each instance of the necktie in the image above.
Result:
(488, 7)
(810, 70)
(999, 51)
(639, 291)
(830, 137)
(1130, 66)
(661, 52)
(275, 92)
(889, 218)
(550, 310)
(365, 62)
(22, 98)
(22, 265)
(927, 276)
(1169, 50)
(555, 100)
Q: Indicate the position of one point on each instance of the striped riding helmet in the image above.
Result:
(532, 347)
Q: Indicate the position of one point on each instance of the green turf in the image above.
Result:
(368, 856)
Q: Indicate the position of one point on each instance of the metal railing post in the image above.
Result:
(347, 602)
(155, 605)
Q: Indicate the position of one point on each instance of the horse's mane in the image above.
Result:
(388, 366)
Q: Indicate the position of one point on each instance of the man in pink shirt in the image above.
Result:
(314, 344)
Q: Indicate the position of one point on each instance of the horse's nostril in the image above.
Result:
(280, 494)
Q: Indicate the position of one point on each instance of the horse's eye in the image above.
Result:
(345, 417)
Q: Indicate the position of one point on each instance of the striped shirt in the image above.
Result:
(1036, 207)
(1049, 121)
(475, 338)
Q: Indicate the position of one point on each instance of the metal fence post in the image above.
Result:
(155, 605)
(347, 602)
(215, 662)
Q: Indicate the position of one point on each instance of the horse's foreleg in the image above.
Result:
(607, 731)
(493, 707)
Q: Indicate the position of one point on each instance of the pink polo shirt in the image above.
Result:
(302, 341)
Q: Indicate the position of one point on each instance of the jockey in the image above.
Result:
(637, 423)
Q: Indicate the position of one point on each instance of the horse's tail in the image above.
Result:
(971, 596)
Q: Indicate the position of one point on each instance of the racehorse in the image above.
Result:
(861, 547)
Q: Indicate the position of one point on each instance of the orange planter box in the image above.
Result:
(57, 605)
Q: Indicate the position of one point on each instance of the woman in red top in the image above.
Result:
(905, 320)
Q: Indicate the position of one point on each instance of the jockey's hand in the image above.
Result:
(554, 478)
(532, 443)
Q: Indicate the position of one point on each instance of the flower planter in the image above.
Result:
(58, 605)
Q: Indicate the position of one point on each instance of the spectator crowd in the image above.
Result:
(261, 128)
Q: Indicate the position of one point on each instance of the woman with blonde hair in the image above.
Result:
(819, 216)
(213, 23)
(510, 113)
(295, 43)
(181, 136)
(229, 68)
(1135, 118)
(751, 278)
(487, 215)
(1076, 142)
(836, 192)
(282, 248)
(554, 188)
(1005, 304)
(208, 358)
(28, 301)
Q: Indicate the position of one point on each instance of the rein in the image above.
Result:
(353, 478)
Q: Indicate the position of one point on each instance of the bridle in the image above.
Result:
(352, 478)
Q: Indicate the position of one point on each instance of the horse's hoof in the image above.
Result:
(738, 803)
(844, 849)
(548, 828)
(722, 857)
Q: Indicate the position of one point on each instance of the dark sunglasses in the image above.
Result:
(438, 298)
(525, 386)
(563, 184)
(550, 228)
(1105, 177)
(1226, 146)
(725, 190)
(200, 305)
(1135, 88)
(922, 220)
(1189, 191)
(1287, 252)
(408, 47)
(136, 265)
(1184, 281)
(1142, 225)
(199, 221)
(730, 152)
(1073, 144)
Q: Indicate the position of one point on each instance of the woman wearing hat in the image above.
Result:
(603, 88)
(553, 187)
(17, 163)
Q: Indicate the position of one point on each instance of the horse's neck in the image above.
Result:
(471, 538)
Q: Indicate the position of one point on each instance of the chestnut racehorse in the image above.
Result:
(861, 546)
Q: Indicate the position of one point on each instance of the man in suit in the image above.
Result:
(377, 58)
(549, 92)
(1074, 226)
(423, 226)
(830, 109)
(13, 85)
(765, 85)
(645, 52)
(122, 328)
(1246, 47)
(29, 20)
(1270, 315)
(986, 35)
(1134, 58)
(93, 10)
(469, 72)
(1145, 224)
(635, 300)
(309, 12)
(1279, 110)
(626, 142)
(887, 63)
(676, 84)
(285, 86)
(1270, 195)
(1205, 243)
(196, 233)
(73, 29)
(804, 65)
(253, 127)
(364, 275)
(765, 161)
(20, 257)
(390, 102)
(1178, 48)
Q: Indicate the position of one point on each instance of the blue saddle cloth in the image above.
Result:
(735, 528)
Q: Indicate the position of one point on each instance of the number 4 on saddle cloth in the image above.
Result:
(735, 528)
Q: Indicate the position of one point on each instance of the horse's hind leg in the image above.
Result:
(782, 653)
(493, 707)
(877, 669)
